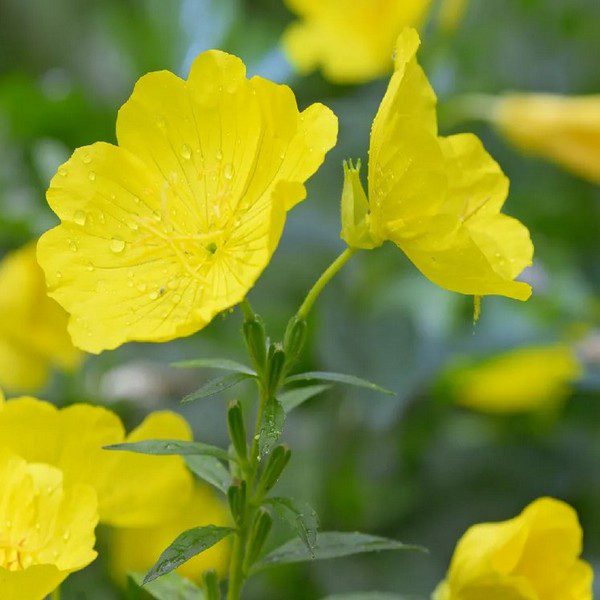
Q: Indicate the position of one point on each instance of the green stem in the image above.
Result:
(325, 278)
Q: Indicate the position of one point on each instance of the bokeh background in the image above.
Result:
(416, 466)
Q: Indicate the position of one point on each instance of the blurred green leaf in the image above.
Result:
(185, 546)
(169, 587)
(209, 469)
(338, 378)
(294, 398)
(216, 386)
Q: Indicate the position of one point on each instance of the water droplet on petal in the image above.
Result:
(133, 225)
(92, 176)
(142, 287)
(186, 152)
(58, 274)
(117, 245)
(66, 535)
(153, 295)
(72, 246)
(90, 267)
(79, 217)
(219, 155)
(228, 172)
(87, 159)
(62, 171)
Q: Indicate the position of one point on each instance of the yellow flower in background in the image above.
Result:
(352, 41)
(46, 528)
(563, 129)
(534, 556)
(33, 327)
(520, 380)
(437, 198)
(176, 223)
(137, 549)
(133, 489)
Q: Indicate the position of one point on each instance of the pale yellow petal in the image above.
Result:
(34, 583)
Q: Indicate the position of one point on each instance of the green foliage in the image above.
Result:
(216, 386)
(169, 587)
(172, 448)
(338, 378)
(301, 517)
(209, 469)
(223, 364)
(272, 426)
(294, 398)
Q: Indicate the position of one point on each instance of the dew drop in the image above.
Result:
(58, 274)
(62, 171)
(117, 245)
(228, 172)
(87, 159)
(136, 199)
(90, 267)
(133, 225)
(219, 155)
(102, 217)
(79, 217)
(142, 287)
(92, 176)
(72, 246)
(153, 295)
(8, 524)
(186, 152)
(160, 121)
(66, 535)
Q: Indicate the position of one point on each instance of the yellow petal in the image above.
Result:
(137, 549)
(33, 327)
(351, 40)
(132, 489)
(564, 129)
(175, 224)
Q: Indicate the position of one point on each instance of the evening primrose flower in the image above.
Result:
(46, 528)
(351, 40)
(520, 380)
(437, 198)
(33, 327)
(534, 556)
(563, 129)
(133, 490)
(176, 223)
(137, 549)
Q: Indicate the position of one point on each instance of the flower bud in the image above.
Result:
(236, 495)
(275, 465)
(293, 341)
(256, 341)
(261, 527)
(237, 430)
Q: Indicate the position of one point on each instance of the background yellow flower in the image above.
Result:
(351, 40)
(534, 556)
(437, 198)
(33, 327)
(133, 489)
(564, 129)
(519, 380)
(137, 549)
(176, 223)
(46, 529)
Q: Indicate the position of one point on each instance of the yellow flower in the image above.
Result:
(351, 40)
(133, 489)
(137, 549)
(46, 528)
(176, 223)
(563, 129)
(534, 556)
(519, 380)
(33, 327)
(437, 198)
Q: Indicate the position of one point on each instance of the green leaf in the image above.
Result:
(216, 386)
(332, 544)
(224, 364)
(210, 470)
(188, 544)
(272, 425)
(170, 587)
(172, 447)
(301, 516)
(293, 398)
(338, 378)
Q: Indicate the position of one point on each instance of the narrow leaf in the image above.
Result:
(216, 386)
(331, 545)
(223, 364)
(210, 470)
(172, 447)
(188, 544)
(338, 378)
(272, 425)
(302, 518)
(293, 398)
(170, 587)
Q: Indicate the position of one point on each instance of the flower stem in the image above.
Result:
(323, 280)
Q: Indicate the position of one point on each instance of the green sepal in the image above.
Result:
(256, 342)
(237, 430)
(185, 546)
(236, 495)
(294, 339)
(210, 585)
(261, 527)
(274, 467)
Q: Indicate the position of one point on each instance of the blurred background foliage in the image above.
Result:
(417, 466)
